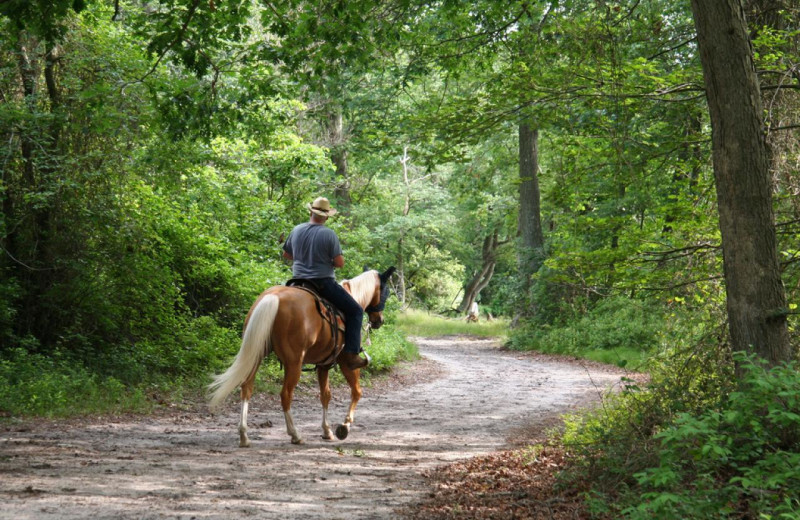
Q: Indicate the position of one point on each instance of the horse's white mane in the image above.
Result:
(362, 287)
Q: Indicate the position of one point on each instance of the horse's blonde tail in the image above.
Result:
(255, 346)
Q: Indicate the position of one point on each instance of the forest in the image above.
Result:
(618, 179)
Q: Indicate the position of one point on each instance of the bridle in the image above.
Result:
(378, 307)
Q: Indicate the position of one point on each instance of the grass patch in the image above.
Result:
(33, 384)
(631, 358)
(419, 323)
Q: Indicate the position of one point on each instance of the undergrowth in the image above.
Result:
(49, 386)
(695, 443)
(618, 330)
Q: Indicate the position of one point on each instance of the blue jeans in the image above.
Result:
(353, 313)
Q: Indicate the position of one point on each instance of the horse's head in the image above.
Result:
(376, 305)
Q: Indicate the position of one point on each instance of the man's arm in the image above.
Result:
(287, 256)
(338, 262)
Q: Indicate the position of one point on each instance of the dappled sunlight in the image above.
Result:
(189, 462)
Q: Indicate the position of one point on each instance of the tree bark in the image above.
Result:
(530, 221)
(756, 300)
(28, 75)
(484, 274)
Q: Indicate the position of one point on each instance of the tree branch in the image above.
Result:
(785, 127)
(178, 38)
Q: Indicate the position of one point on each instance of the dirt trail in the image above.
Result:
(465, 399)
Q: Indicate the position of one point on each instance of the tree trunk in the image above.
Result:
(530, 221)
(756, 299)
(484, 274)
(401, 275)
(28, 75)
(337, 140)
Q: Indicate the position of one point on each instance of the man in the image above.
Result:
(315, 252)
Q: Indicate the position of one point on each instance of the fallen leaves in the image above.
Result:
(520, 484)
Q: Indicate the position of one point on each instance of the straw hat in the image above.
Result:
(322, 207)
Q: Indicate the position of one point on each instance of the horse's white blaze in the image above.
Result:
(255, 345)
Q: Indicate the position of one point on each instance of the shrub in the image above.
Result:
(389, 346)
(686, 447)
(33, 384)
(617, 329)
(742, 457)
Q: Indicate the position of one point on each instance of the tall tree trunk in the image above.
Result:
(530, 221)
(755, 294)
(401, 270)
(337, 140)
(28, 75)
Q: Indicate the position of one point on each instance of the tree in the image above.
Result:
(530, 221)
(481, 279)
(756, 300)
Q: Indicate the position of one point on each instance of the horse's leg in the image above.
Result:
(291, 376)
(325, 399)
(247, 393)
(355, 394)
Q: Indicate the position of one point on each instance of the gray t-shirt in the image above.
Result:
(313, 247)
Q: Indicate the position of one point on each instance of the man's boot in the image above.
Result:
(352, 360)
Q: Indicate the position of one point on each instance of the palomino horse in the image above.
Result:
(285, 320)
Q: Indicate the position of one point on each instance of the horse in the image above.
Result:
(285, 320)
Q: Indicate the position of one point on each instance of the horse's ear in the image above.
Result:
(387, 274)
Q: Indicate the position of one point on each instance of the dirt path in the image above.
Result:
(465, 399)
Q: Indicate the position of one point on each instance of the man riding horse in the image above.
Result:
(288, 321)
(315, 252)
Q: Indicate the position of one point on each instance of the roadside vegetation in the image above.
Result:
(63, 386)
(425, 324)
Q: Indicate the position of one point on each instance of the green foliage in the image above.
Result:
(705, 438)
(42, 17)
(741, 457)
(56, 385)
(129, 244)
(389, 346)
(625, 329)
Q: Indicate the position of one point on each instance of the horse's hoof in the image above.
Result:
(244, 443)
(327, 436)
(342, 431)
(297, 441)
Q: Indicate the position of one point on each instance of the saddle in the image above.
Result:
(330, 314)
